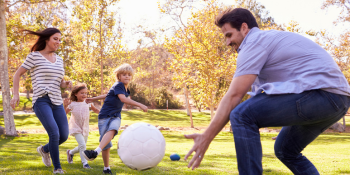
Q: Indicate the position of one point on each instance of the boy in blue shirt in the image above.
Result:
(109, 116)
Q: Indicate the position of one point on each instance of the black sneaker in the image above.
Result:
(90, 154)
(107, 171)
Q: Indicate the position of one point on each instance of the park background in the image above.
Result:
(181, 63)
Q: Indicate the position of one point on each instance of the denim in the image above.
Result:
(108, 124)
(54, 119)
(303, 116)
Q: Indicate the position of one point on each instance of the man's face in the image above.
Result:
(234, 37)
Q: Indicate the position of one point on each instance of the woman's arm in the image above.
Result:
(132, 102)
(97, 111)
(15, 99)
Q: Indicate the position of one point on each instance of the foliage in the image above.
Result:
(201, 60)
(338, 47)
(141, 94)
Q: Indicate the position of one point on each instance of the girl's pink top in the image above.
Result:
(79, 120)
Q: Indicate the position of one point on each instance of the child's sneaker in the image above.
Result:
(87, 166)
(59, 171)
(45, 156)
(69, 157)
(107, 171)
(90, 154)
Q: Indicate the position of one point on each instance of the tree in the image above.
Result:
(4, 60)
(201, 60)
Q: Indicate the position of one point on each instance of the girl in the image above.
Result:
(47, 71)
(79, 121)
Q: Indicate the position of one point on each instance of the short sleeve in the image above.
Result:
(119, 89)
(29, 62)
(251, 59)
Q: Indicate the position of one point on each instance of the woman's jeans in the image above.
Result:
(54, 119)
(303, 117)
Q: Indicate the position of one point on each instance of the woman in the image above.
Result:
(46, 69)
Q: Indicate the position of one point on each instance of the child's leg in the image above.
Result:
(105, 156)
(107, 138)
(82, 146)
(78, 138)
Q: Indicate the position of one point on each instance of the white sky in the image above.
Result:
(307, 13)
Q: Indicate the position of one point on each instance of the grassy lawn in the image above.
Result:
(329, 152)
(24, 104)
(155, 117)
(18, 155)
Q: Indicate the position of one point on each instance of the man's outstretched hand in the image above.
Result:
(201, 144)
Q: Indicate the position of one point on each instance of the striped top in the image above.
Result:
(46, 76)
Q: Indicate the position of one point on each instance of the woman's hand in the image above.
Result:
(14, 101)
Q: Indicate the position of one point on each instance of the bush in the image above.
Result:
(142, 94)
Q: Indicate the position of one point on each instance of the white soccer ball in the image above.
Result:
(141, 146)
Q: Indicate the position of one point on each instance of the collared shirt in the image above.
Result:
(46, 76)
(287, 62)
(113, 106)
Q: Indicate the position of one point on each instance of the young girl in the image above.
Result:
(79, 120)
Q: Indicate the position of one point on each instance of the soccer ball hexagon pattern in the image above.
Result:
(141, 146)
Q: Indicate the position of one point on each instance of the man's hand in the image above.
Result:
(201, 144)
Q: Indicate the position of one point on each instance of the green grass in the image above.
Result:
(18, 155)
(24, 104)
(329, 152)
(165, 118)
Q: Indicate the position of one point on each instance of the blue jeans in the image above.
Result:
(108, 124)
(303, 116)
(54, 119)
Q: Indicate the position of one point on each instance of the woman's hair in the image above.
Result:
(123, 69)
(44, 35)
(236, 17)
(75, 90)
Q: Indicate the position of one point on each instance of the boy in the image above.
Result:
(109, 116)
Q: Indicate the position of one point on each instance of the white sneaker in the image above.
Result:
(45, 156)
(59, 171)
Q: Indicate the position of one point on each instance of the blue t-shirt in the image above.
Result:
(112, 105)
(287, 62)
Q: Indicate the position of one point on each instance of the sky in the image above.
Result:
(307, 13)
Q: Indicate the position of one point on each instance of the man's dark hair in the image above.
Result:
(44, 35)
(236, 17)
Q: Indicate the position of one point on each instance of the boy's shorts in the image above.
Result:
(108, 124)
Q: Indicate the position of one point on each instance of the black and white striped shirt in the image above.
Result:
(46, 76)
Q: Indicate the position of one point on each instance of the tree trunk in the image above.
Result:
(10, 127)
(101, 52)
(189, 113)
(212, 107)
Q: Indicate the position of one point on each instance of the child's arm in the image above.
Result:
(132, 102)
(66, 102)
(95, 109)
(90, 100)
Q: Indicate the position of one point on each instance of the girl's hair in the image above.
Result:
(75, 90)
(123, 69)
(44, 35)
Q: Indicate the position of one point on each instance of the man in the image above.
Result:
(295, 84)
